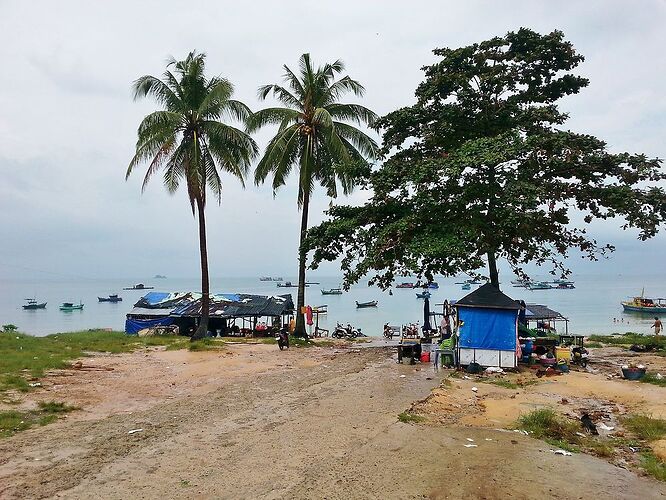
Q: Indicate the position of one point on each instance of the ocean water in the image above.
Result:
(592, 307)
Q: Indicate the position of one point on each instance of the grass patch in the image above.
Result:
(24, 356)
(502, 383)
(409, 418)
(653, 466)
(628, 338)
(651, 378)
(14, 421)
(645, 427)
(594, 345)
(206, 344)
(546, 424)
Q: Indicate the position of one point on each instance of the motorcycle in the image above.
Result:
(346, 332)
(579, 356)
(282, 340)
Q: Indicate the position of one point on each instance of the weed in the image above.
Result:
(645, 427)
(55, 407)
(409, 418)
(629, 338)
(653, 466)
(651, 378)
(206, 344)
(15, 421)
(546, 424)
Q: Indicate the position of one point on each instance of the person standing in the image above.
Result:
(658, 327)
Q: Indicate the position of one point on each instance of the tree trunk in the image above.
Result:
(492, 269)
(205, 284)
(299, 330)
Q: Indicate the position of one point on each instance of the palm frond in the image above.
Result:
(271, 116)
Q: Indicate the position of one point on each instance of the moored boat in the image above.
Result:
(331, 291)
(405, 285)
(265, 278)
(423, 295)
(645, 305)
(70, 306)
(360, 305)
(466, 286)
(110, 298)
(564, 285)
(433, 285)
(541, 285)
(33, 304)
(139, 286)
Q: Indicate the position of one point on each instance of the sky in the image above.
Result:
(68, 121)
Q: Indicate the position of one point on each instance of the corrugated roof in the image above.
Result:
(538, 311)
(487, 296)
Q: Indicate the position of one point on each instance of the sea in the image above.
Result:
(593, 307)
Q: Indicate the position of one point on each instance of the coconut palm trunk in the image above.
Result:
(202, 329)
(302, 258)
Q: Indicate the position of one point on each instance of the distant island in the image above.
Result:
(159, 277)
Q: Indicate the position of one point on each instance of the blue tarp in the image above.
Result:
(488, 328)
(133, 326)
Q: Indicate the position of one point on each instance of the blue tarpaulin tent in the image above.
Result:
(489, 331)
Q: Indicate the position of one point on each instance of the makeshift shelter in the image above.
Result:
(488, 332)
(545, 320)
(184, 310)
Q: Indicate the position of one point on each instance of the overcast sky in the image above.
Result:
(68, 122)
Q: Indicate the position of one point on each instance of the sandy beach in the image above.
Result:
(322, 422)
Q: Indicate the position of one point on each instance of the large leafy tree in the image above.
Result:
(317, 137)
(189, 142)
(480, 168)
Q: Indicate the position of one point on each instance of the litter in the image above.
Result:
(403, 376)
(35, 384)
(605, 427)
(658, 376)
(580, 434)
(494, 369)
(561, 452)
(474, 389)
(466, 377)
(470, 446)
(488, 439)
(470, 440)
(134, 431)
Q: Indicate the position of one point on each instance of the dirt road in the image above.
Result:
(325, 428)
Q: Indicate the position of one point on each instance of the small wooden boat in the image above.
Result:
(405, 285)
(331, 291)
(160, 277)
(466, 286)
(139, 286)
(279, 278)
(565, 285)
(70, 306)
(541, 285)
(433, 285)
(645, 305)
(265, 278)
(360, 305)
(33, 304)
(423, 295)
(110, 298)
(469, 282)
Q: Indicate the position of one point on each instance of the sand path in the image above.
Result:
(309, 423)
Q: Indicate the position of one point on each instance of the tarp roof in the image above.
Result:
(538, 311)
(222, 305)
(487, 296)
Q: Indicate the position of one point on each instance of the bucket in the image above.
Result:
(425, 357)
(563, 353)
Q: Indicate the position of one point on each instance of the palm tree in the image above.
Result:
(314, 137)
(188, 141)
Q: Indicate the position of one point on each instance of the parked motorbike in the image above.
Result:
(283, 339)
(346, 332)
(579, 356)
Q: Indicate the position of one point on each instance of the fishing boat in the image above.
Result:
(405, 285)
(524, 283)
(361, 305)
(159, 277)
(466, 286)
(139, 286)
(312, 283)
(33, 304)
(265, 278)
(289, 284)
(541, 285)
(433, 285)
(331, 291)
(279, 278)
(423, 295)
(645, 305)
(110, 298)
(564, 285)
(70, 306)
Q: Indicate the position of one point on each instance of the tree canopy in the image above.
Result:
(480, 168)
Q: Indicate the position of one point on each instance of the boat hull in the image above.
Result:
(645, 310)
(31, 307)
(107, 299)
(73, 308)
(361, 305)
